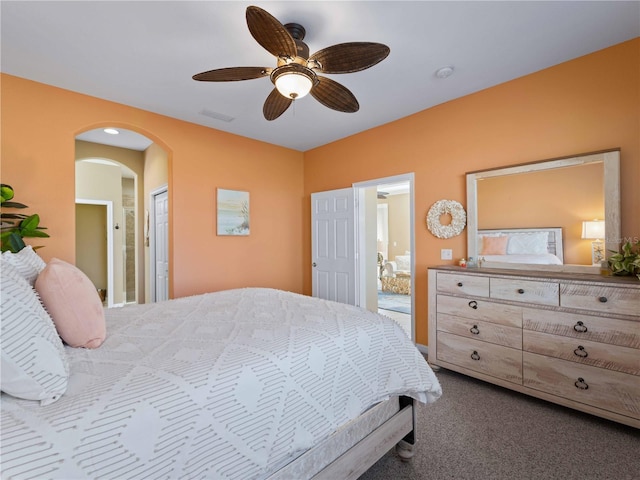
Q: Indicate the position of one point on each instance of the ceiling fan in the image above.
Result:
(296, 73)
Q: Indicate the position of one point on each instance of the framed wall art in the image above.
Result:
(233, 212)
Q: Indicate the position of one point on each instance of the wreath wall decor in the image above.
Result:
(444, 207)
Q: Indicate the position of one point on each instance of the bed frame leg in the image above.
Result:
(405, 447)
(405, 450)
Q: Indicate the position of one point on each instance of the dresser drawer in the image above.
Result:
(584, 327)
(613, 391)
(586, 352)
(601, 298)
(529, 291)
(481, 330)
(494, 360)
(463, 284)
(480, 310)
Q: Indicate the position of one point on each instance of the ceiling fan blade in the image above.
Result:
(270, 33)
(350, 57)
(233, 74)
(335, 96)
(275, 105)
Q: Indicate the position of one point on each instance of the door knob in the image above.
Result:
(314, 264)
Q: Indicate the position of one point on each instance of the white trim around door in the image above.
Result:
(363, 241)
(109, 233)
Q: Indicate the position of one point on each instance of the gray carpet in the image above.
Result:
(480, 431)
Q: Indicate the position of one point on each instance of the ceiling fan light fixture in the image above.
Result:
(293, 80)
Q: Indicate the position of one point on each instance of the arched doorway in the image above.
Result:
(122, 169)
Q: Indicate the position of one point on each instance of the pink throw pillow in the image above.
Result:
(494, 245)
(73, 303)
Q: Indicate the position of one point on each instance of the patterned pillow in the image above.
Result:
(34, 364)
(26, 261)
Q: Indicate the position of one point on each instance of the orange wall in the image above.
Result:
(39, 124)
(589, 104)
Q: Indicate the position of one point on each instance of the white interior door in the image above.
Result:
(333, 253)
(160, 246)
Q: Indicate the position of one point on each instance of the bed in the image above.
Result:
(540, 246)
(248, 383)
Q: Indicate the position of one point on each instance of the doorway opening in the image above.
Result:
(122, 169)
(385, 235)
(105, 181)
(94, 244)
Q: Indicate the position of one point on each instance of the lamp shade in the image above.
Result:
(593, 229)
(293, 85)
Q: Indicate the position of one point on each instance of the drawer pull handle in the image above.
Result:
(521, 290)
(580, 327)
(581, 384)
(459, 284)
(602, 299)
(475, 355)
(581, 352)
(473, 304)
(474, 330)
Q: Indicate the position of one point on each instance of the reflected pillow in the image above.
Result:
(528, 243)
(494, 245)
(73, 303)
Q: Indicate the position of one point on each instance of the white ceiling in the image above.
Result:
(144, 54)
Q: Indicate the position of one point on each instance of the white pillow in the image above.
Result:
(528, 243)
(34, 364)
(403, 262)
(26, 261)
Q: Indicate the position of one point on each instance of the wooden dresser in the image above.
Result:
(572, 339)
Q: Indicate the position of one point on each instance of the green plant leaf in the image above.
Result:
(35, 234)
(13, 215)
(6, 192)
(13, 243)
(6, 204)
(14, 226)
(30, 223)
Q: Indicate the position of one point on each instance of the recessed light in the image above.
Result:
(111, 131)
(444, 72)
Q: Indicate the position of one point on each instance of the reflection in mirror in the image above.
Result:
(533, 215)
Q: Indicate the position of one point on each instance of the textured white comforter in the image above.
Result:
(232, 384)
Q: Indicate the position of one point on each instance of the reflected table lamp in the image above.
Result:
(594, 230)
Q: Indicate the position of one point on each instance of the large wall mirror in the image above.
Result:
(559, 215)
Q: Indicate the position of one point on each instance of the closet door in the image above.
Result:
(160, 247)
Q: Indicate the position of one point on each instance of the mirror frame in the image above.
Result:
(611, 164)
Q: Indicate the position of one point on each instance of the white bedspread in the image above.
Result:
(232, 384)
